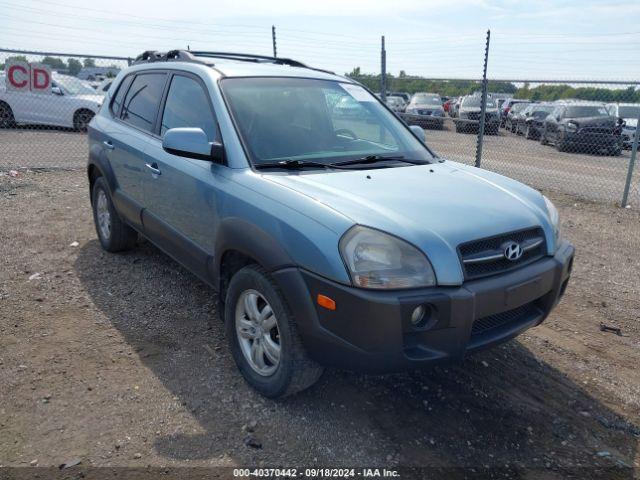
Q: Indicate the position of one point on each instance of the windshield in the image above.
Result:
(586, 111)
(394, 101)
(73, 86)
(476, 101)
(519, 107)
(427, 99)
(315, 120)
(629, 111)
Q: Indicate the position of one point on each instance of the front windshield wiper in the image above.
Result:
(344, 165)
(376, 159)
(291, 164)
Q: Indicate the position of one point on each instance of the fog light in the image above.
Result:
(417, 315)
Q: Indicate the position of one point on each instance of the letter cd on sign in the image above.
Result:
(24, 77)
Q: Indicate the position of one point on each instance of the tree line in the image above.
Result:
(456, 88)
(72, 66)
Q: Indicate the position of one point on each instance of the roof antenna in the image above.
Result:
(188, 48)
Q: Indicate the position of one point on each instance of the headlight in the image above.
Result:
(438, 113)
(554, 218)
(571, 127)
(381, 261)
(412, 110)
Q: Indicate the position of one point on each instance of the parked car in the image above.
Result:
(72, 104)
(448, 104)
(330, 240)
(514, 116)
(395, 103)
(628, 114)
(529, 122)
(469, 114)
(506, 107)
(425, 110)
(348, 107)
(406, 97)
(455, 107)
(585, 125)
(103, 86)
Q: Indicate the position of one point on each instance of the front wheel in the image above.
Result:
(81, 120)
(113, 233)
(7, 119)
(263, 336)
(543, 138)
(528, 133)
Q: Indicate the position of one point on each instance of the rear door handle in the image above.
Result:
(153, 167)
(108, 144)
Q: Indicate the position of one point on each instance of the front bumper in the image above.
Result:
(424, 121)
(628, 136)
(592, 140)
(371, 330)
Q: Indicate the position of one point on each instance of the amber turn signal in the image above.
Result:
(326, 302)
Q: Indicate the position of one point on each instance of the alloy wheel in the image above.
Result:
(257, 332)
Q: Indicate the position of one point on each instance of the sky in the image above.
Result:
(543, 39)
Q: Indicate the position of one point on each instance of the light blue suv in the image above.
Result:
(332, 239)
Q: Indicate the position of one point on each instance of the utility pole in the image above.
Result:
(483, 105)
(273, 39)
(383, 72)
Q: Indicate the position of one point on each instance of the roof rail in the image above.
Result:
(249, 57)
(192, 56)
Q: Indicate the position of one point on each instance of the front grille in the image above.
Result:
(520, 314)
(485, 257)
(597, 131)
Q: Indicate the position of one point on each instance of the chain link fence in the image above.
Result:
(46, 102)
(574, 138)
(578, 146)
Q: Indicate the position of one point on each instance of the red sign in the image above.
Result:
(25, 77)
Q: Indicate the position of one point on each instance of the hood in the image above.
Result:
(608, 122)
(631, 122)
(435, 207)
(426, 105)
(97, 98)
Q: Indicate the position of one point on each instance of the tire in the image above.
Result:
(274, 376)
(118, 236)
(561, 146)
(528, 134)
(615, 151)
(543, 138)
(81, 120)
(7, 120)
(513, 128)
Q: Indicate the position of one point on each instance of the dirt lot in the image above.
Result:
(121, 360)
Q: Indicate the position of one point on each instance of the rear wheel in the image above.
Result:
(263, 336)
(7, 120)
(81, 120)
(113, 233)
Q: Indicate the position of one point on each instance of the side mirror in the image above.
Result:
(192, 143)
(57, 91)
(418, 132)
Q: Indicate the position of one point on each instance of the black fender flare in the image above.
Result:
(236, 234)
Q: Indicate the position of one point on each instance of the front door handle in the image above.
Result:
(153, 167)
(108, 144)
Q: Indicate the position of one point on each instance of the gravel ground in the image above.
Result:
(121, 360)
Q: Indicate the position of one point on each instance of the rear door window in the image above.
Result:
(116, 103)
(188, 105)
(143, 100)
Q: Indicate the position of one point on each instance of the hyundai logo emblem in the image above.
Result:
(513, 251)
